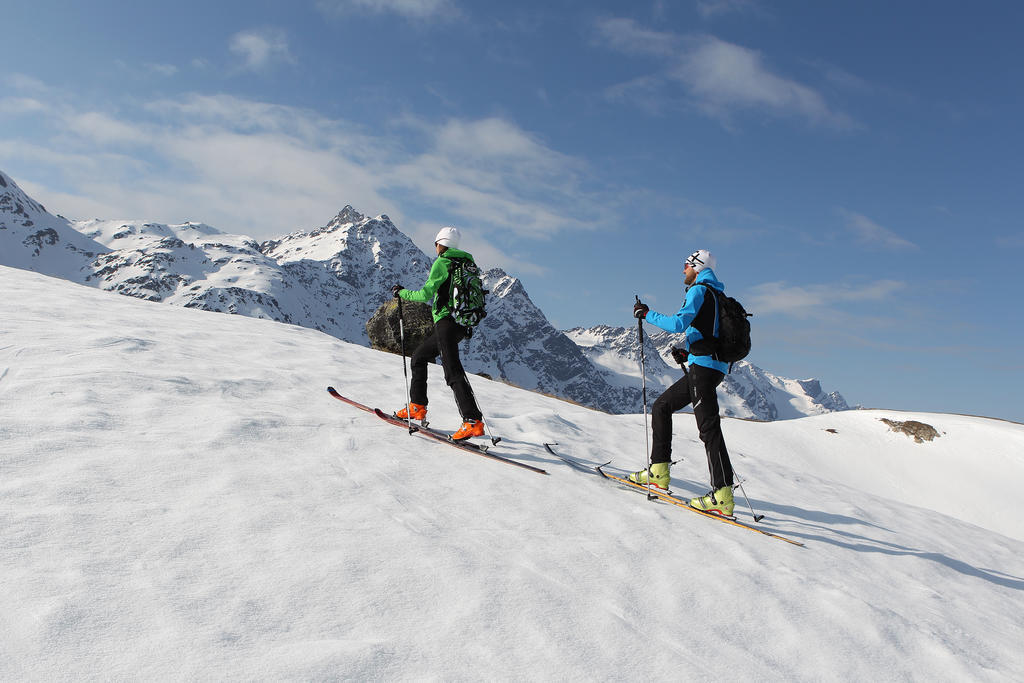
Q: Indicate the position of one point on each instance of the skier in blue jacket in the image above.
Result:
(697, 319)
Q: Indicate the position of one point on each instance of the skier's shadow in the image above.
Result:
(826, 527)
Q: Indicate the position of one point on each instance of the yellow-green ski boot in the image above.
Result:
(718, 502)
(659, 476)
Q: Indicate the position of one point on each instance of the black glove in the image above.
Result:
(640, 310)
(680, 355)
(396, 289)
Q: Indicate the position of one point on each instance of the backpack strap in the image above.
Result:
(718, 307)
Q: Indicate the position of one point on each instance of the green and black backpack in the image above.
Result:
(467, 292)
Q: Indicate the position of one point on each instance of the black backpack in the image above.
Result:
(467, 293)
(733, 340)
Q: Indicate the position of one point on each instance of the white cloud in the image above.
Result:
(411, 9)
(724, 77)
(162, 69)
(20, 105)
(103, 129)
(713, 8)
(818, 302)
(718, 77)
(493, 172)
(870, 233)
(24, 83)
(262, 169)
(626, 35)
(646, 92)
(261, 48)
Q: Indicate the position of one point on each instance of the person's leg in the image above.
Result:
(423, 356)
(676, 397)
(703, 385)
(449, 334)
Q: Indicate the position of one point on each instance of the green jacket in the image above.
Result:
(437, 286)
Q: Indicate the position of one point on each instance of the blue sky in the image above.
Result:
(856, 167)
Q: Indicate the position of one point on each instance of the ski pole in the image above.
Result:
(405, 367)
(494, 439)
(643, 384)
(739, 485)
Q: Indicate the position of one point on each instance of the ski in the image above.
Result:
(575, 464)
(668, 498)
(665, 497)
(428, 433)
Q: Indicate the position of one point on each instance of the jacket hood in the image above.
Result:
(456, 253)
(707, 277)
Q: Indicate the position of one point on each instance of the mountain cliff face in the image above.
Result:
(517, 343)
(332, 279)
(342, 272)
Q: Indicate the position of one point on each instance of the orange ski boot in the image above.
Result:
(468, 429)
(413, 410)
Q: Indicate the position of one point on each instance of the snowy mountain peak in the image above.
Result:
(34, 239)
(17, 207)
(501, 284)
(131, 234)
(350, 233)
(348, 215)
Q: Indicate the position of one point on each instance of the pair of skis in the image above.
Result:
(468, 446)
(663, 496)
(482, 450)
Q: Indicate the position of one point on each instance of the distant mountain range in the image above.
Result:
(747, 392)
(333, 278)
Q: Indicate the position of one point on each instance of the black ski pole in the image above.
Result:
(405, 367)
(643, 384)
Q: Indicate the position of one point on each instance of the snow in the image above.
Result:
(181, 499)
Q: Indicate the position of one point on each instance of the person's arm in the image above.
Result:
(438, 274)
(687, 312)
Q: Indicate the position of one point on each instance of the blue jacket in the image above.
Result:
(683, 320)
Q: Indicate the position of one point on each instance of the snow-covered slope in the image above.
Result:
(180, 499)
(747, 391)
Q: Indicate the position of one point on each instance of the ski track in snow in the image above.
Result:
(181, 499)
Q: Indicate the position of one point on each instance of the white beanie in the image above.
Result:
(448, 237)
(701, 259)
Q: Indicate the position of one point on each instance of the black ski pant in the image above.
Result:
(699, 387)
(444, 340)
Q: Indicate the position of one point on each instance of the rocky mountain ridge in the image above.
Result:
(747, 391)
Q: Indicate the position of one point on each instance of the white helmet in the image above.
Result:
(701, 259)
(448, 237)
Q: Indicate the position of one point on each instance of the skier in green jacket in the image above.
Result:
(444, 340)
